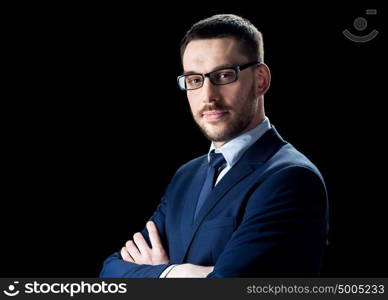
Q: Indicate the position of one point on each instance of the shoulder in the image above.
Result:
(288, 179)
(288, 160)
(187, 170)
(288, 171)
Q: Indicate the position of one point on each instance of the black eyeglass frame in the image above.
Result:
(237, 69)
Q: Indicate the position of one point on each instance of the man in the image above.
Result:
(253, 206)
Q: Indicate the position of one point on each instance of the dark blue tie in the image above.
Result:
(216, 161)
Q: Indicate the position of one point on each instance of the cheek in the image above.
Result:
(241, 96)
(193, 103)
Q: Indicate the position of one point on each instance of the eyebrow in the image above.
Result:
(220, 67)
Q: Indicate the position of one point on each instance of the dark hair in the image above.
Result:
(228, 25)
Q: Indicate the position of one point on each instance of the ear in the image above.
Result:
(263, 79)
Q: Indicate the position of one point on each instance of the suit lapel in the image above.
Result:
(226, 183)
(256, 155)
(191, 202)
(234, 176)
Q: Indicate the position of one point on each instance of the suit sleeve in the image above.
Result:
(114, 266)
(283, 229)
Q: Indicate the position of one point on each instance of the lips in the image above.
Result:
(214, 115)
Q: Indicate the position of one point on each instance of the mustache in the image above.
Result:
(213, 107)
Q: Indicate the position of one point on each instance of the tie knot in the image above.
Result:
(216, 160)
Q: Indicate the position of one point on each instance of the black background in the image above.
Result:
(94, 126)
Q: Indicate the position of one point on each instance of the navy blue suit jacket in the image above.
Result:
(266, 217)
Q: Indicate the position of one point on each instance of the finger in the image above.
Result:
(154, 235)
(141, 243)
(125, 255)
(133, 251)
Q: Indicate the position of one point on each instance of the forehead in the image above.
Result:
(205, 55)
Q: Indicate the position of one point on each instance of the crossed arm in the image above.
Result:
(282, 233)
(138, 252)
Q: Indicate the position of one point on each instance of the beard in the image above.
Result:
(236, 122)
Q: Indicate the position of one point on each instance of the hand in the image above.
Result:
(189, 271)
(138, 252)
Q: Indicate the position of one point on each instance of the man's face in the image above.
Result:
(222, 111)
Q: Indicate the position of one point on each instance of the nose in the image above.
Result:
(210, 92)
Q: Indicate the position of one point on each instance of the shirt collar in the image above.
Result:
(235, 148)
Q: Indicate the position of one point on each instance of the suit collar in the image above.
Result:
(264, 147)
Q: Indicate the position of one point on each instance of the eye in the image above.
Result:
(224, 76)
(193, 80)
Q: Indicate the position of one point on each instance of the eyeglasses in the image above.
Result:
(218, 77)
